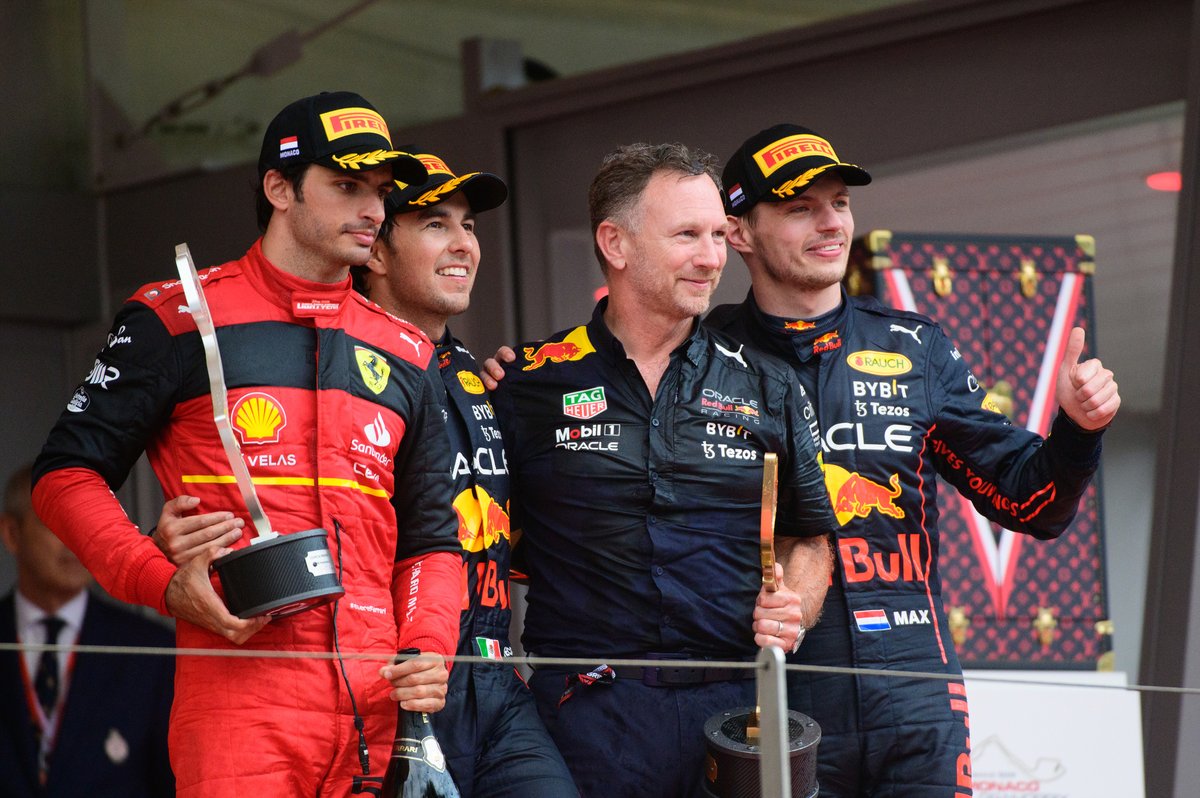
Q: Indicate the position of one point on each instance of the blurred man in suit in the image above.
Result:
(86, 724)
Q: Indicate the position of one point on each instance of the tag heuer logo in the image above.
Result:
(585, 404)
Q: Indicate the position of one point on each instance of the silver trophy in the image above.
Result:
(275, 574)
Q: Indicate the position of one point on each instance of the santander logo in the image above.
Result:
(377, 432)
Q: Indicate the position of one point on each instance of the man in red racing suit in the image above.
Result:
(339, 430)
(896, 405)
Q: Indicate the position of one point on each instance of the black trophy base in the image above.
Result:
(279, 577)
(732, 765)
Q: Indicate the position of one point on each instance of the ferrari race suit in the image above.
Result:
(494, 741)
(340, 429)
(896, 406)
(640, 536)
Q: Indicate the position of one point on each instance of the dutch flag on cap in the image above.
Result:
(735, 194)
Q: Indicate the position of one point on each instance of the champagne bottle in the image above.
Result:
(417, 768)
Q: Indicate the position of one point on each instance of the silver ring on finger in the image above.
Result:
(780, 632)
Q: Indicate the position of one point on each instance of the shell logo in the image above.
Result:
(258, 418)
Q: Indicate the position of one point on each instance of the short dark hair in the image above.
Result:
(385, 229)
(17, 499)
(624, 174)
(293, 173)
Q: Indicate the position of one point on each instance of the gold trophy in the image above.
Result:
(733, 737)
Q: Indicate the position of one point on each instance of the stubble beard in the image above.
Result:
(803, 277)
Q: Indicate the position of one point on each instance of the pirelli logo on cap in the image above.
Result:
(348, 121)
(434, 165)
(779, 153)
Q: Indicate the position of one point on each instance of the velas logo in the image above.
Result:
(585, 404)
(575, 345)
(470, 382)
(258, 418)
(373, 368)
(779, 153)
(348, 121)
(881, 364)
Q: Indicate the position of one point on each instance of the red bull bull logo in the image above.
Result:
(799, 325)
(575, 345)
(550, 352)
(482, 521)
(858, 496)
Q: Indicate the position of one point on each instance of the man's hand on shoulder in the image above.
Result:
(1086, 391)
(493, 368)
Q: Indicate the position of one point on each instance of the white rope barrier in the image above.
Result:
(536, 662)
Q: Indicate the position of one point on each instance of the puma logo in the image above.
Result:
(732, 355)
(913, 332)
(415, 343)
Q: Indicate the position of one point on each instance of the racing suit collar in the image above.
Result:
(303, 298)
(611, 348)
(807, 342)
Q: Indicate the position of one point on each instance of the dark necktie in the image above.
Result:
(45, 682)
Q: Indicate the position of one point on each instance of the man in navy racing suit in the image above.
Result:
(422, 269)
(896, 405)
(635, 445)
